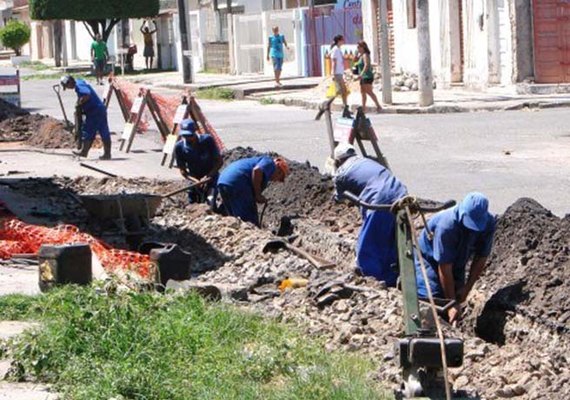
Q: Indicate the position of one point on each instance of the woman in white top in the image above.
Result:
(337, 58)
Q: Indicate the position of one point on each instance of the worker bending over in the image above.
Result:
(199, 161)
(353, 172)
(95, 116)
(241, 184)
(453, 237)
(376, 249)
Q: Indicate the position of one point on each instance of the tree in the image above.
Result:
(99, 16)
(14, 35)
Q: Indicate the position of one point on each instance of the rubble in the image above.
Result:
(516, 326)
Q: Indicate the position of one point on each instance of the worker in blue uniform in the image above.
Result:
(352, 171)
(199, 161)
(452, 238)
(241, 184)
(376, 249)
(95, 116)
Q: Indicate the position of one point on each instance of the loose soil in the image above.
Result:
(517, 322)
(18, 125)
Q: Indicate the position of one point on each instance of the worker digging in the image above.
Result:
(199, 161)
(344, 255)
(95, 116)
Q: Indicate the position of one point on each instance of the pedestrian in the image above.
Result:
(452, 238)
(95, 116)
(275, 53)
(337, 59)
(148, 51)
(242, 183)
(99, 57)
(199, 161)
(376, 248)
(366, 76)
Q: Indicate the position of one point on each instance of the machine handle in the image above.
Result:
(387, 207)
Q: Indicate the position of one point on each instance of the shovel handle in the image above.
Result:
(175, 192)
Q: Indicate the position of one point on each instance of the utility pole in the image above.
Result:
(186, 43)
(425, 83)
(385, 54)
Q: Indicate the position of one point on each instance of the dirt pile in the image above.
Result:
(37, 130)
(9, 110)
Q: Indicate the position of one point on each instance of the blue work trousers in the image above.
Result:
(96, 121)
(239, 203)
(376, 249)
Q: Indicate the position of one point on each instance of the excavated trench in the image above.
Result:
(517, 320)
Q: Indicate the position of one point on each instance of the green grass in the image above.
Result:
(267, 101)
(93, 345)
(35, 65)
(53, 76)
(218, 93)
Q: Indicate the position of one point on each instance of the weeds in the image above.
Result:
(215, 94)
(152, 346)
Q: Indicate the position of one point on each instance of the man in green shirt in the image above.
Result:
(99, 56)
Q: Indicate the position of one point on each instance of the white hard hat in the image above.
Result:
(344, 151)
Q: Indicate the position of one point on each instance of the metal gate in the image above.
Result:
(321, 25)
(248, 43)
(551, 41)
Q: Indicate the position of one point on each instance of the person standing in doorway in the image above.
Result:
(275, 53)
(366, 76)
(337, 59)
(99, 56)
(148, 52)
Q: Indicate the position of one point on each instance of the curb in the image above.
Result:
(434, 109)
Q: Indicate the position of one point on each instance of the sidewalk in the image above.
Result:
(310, 93)
(445, 101)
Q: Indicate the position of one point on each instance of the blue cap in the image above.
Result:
(474, 211)
(187, 128)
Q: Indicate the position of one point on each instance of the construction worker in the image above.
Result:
(199, 161)
(352, 171)
(242, 182)
(453, 237)
(376, 251)
(95, 116)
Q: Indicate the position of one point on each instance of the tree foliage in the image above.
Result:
(14, 35)
(99, 16)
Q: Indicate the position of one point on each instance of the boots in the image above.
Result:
(86, 146)
(346, 112)
(106, 150)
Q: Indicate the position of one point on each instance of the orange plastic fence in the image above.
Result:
(167, 106)
(19, 237)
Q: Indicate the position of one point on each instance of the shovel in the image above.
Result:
(167, 195)
(57, 90)
(278, 244)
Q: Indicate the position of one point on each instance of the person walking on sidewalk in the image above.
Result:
(95, 116)
(148, 52)
(199, 161)
(337, 59)
(275, 53)
(99, 57)
(366, 76)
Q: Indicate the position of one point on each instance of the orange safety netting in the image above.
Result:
(18, 237)
(167, 106)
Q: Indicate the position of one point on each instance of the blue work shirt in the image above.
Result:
(94, 105)
(383, 189)
(355, 173)
(452, 243)
(276, 46)
(199, 159)
(239, 174)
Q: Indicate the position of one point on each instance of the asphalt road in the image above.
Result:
(505, 155)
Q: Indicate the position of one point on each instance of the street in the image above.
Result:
(506, 155)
